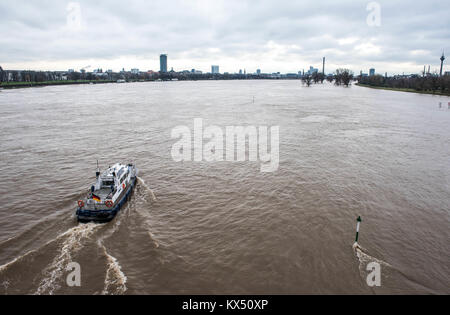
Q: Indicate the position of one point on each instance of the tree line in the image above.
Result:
(428, 83)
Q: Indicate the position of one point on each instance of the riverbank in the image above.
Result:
(402, 90)
(18, 85)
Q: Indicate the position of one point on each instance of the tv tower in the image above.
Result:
(442, 63)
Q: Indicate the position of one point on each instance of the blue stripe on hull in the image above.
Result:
(104, 215)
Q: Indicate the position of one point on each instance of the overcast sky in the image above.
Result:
(281, 35)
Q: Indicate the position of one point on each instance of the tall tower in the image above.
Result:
(323, 68)
(163, 63)
(442, 63)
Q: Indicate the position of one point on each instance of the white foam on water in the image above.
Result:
(153, 239)
(115, 281)
(365, 258)
(142, 182)
(72, 243)
(7, 265)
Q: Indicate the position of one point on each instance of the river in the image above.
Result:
(226, 227)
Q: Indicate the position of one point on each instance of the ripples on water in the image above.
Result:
(226, 227)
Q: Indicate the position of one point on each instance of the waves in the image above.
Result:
(142, 182)
(115, 281)
(364, 259)
(6, 266)
(72, 243)
(45, 265)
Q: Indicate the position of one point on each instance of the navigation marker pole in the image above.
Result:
(358, 223)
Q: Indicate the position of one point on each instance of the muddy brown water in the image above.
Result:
(225, 227)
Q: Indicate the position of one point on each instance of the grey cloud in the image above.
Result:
(303, 30)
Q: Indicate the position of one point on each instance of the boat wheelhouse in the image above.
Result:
(109, 193)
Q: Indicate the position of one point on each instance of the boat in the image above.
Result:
(121, 81)
(108, 195)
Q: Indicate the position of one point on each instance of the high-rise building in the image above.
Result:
(442, 63)
(163, 63)
(372, 72)
(215, 69)
(312, 70)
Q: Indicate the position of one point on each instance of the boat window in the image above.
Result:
(108, 183)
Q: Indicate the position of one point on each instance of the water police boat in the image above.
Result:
(110, 192)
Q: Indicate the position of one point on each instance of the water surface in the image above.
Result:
(222, 228)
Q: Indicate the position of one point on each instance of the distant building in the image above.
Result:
(312, 70)
(215, 69)
(371, 72)
(71, 71)
(163, 63)
(447, 73)
(135, 71)
(258, 71)
(240, 71)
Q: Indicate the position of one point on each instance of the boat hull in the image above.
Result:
(85, 216)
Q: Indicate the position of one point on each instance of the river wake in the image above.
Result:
(73, 242)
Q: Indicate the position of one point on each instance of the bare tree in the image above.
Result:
(318, 77)
(307, 79)
(330, 78)
(343, 76)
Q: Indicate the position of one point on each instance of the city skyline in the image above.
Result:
(164, 62)
(232, 34)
